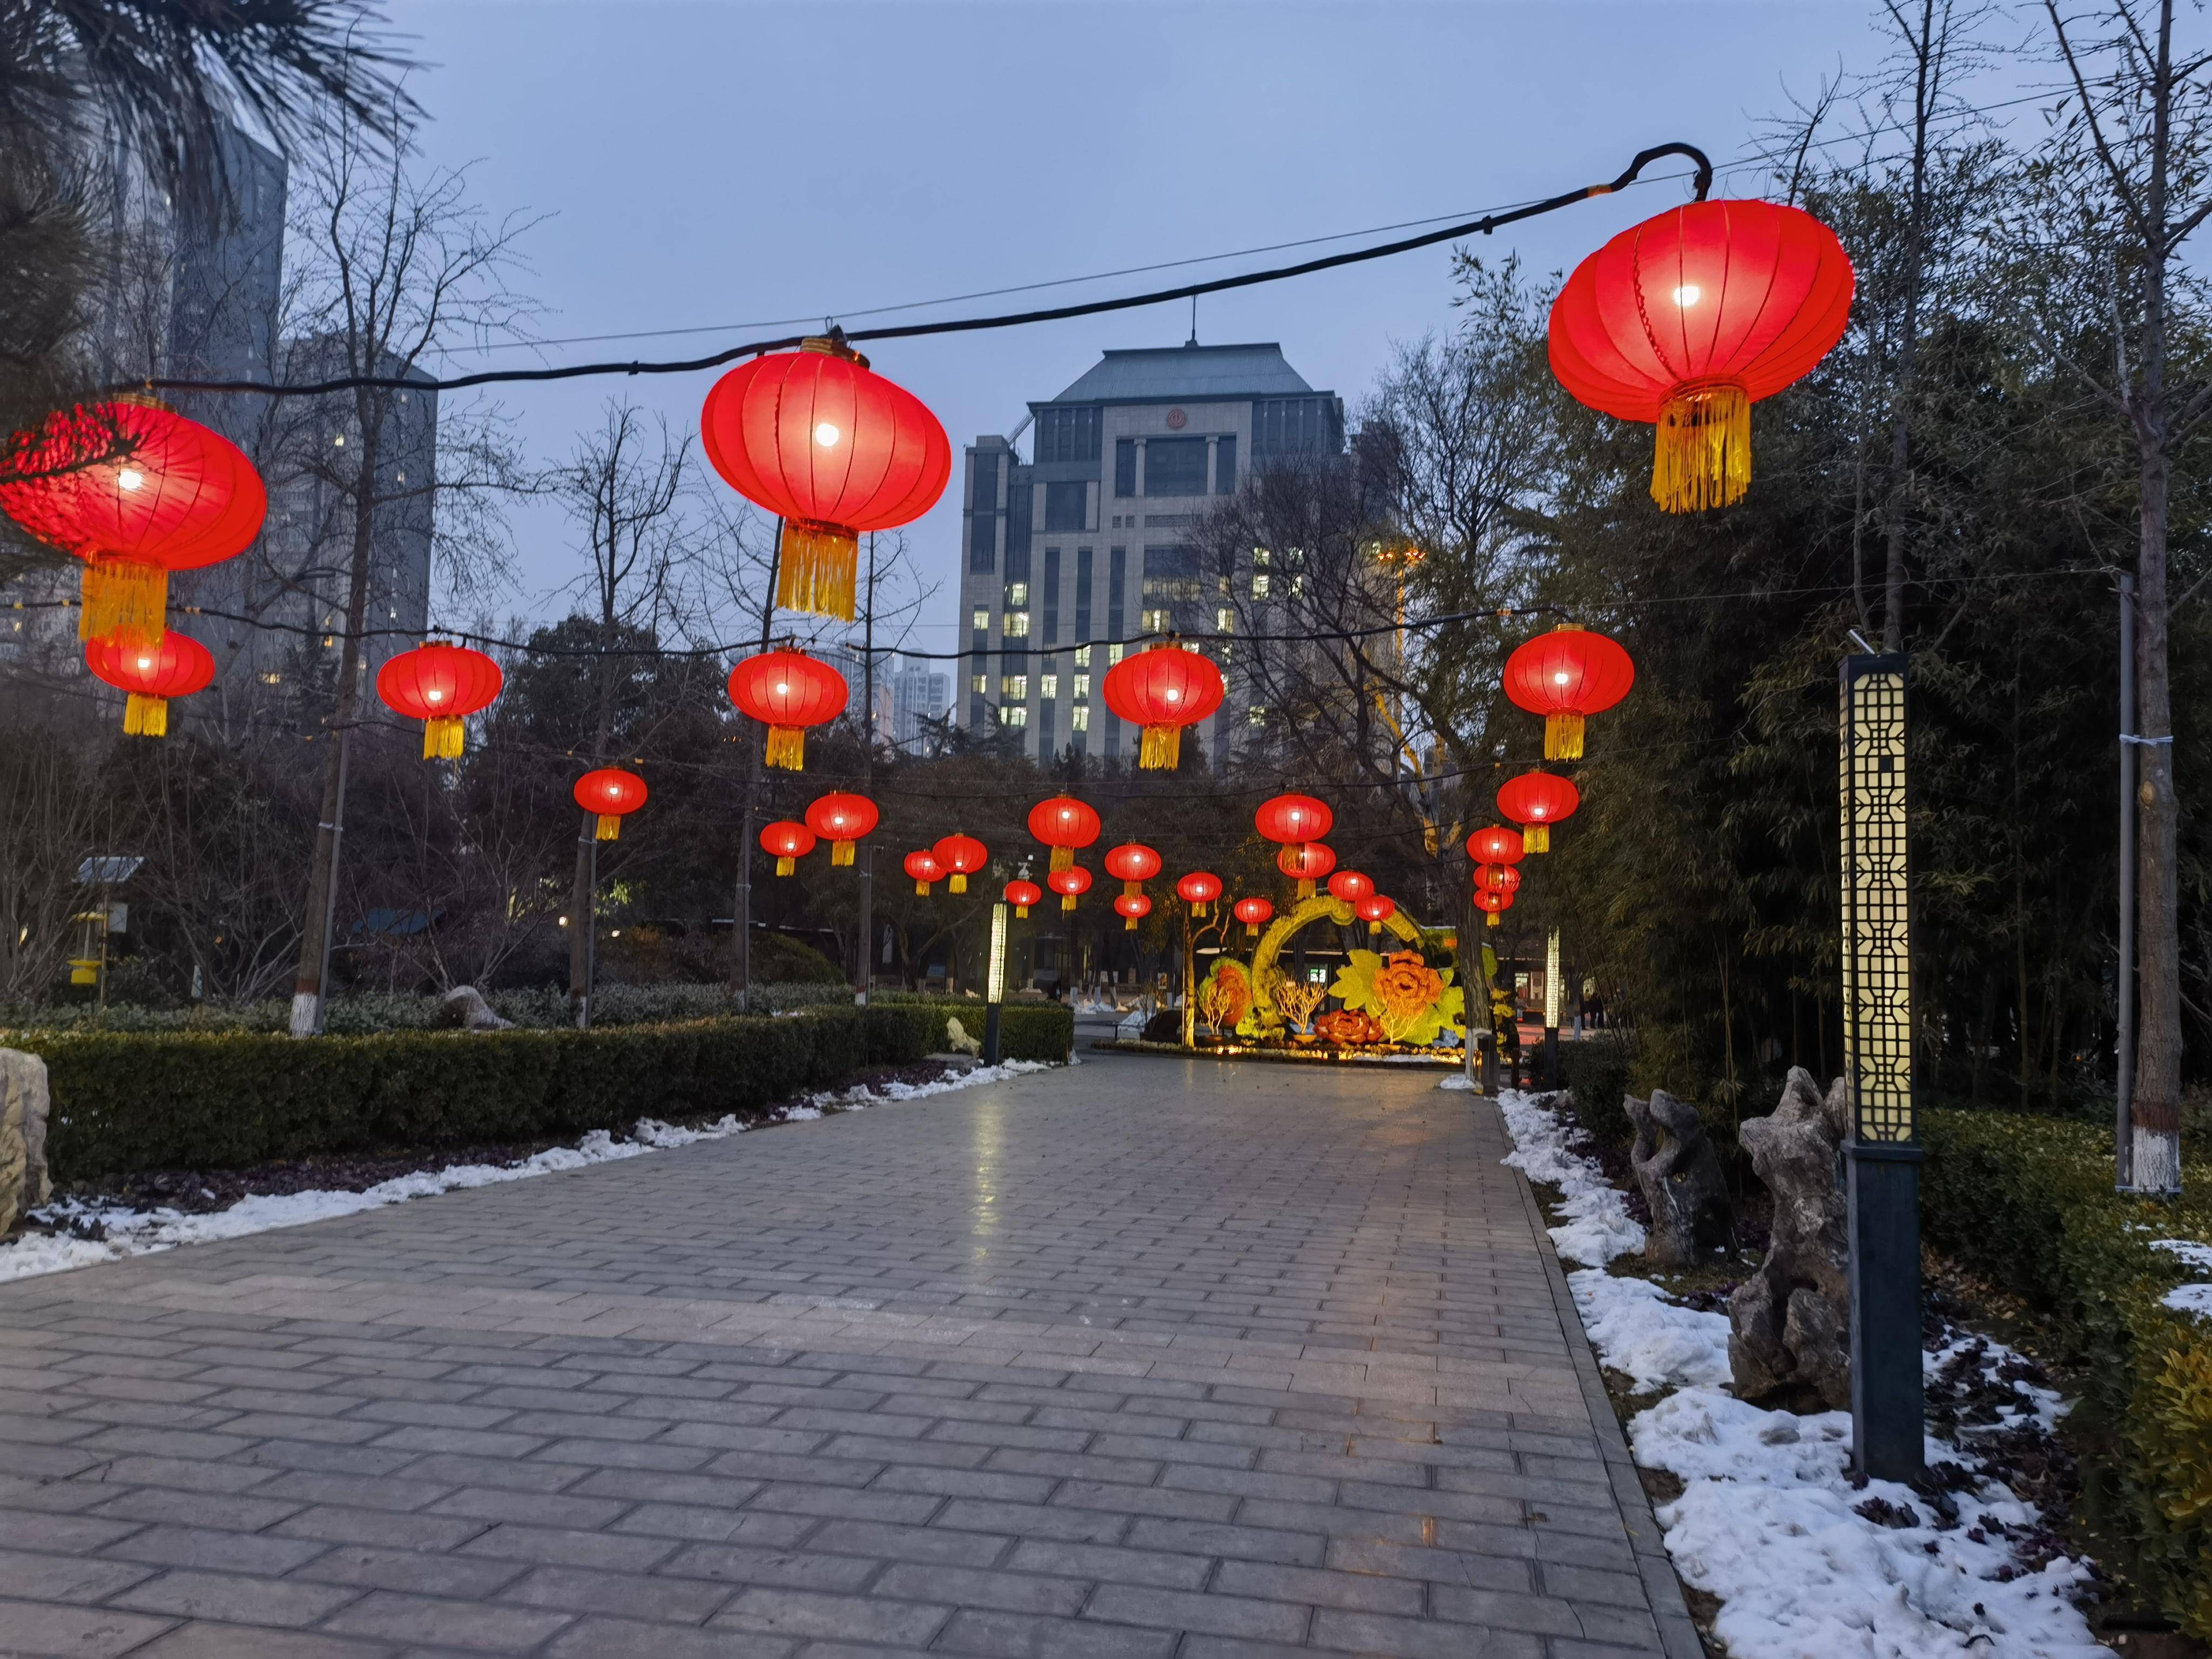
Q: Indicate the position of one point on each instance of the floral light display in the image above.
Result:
(1065, 824)
(789, 842)
(1252, 912)
(1022, 895)
(612, 794)
(925, 869)
(1564, 675)
(1199, 890)
(1400, 996)
(1536, 801)
(1162, 691)
(175, 666)
(842, 818)
(787, 691)
(962, 857)
(440, 685)
(1070, 884)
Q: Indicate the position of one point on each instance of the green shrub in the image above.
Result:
(1027, 1030)
(1597, 1072)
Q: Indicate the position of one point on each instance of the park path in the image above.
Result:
(1144, 1357)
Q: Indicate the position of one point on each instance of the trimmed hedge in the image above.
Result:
(2028, 1202)
(128, 1101)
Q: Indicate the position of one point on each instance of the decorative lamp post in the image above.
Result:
(787, 843)
(440, 685)
(607, 795)
(1162, 690)
(1564, 675)
(175, 666)
(1552, 1008)
(995, 983)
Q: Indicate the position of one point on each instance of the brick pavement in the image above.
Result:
(1139, 1359)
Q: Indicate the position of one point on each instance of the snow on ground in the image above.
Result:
(142, 1232)
(2195, 1300)
(1769, 1520)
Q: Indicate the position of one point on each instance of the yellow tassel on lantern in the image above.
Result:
(609, 826)
(1536, 838)
(1251, 930)
(1161, 748)
(784, 867)
(146, 717)
(1021, 912)
(816, 570)
(921, 889)
(441, 736)
(840, 851)
(1062, 857)
(786, 747)
(123, 598)
(1374, 926)
(958, 883)
(1563, 736)
(1306, 888)
(1067, 900)
(1704, 457)
(1128, 924)
(1493, 921)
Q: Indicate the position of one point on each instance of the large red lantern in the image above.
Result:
(789, 841)
(1199, 890)
(1022, 895)
(1134, 908)
(833, 449)
(1068, 884)
(1162, 691)
(1375, 910)
(925, 869)
(1497, 879)
(962, 856)
(1133, 864)
(1687, 320)
(841, 819)
(1252, 912)
(1306, 863)
(1536, 801)
(439, 685)
(1065, 824)
(1350, 886)
(1494, 905)
(1496, 845)
(1291, 819)
(136, 490)
(1564, 675)
(176, 665)
(787, 691)
(611, 792)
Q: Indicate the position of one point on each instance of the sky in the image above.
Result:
(709, 164)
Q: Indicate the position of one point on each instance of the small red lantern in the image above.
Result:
(789, 841)
(925, 869)
(962, 855)
(1375, 910)
(1496, 904)
(1065, 824)
(1350, 886)
(841, 819)
(1291, 819)
(1068, 884)
(1536, 801)
(611, 793)
(1564, 675)
(1199, 890)
(1133, 864)
(1495, 845)
(1497, 879)
(1306, 863)
(833, 449)
(1252, 912)
(440, 685)
(787, 691)
(175, 667)
(136, 490)
(1689, 319)
(1022, 895)
(1134, 908)
(1162, 689)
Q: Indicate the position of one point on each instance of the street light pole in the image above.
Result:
(995, 983)
(2124, 1110)
(864, 952)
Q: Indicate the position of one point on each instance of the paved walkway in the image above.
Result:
(1215, 1362)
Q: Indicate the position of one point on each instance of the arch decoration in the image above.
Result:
(1392, 1001)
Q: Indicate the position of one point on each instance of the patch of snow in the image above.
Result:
(1598, 1227)
(1458, 1080)
(2194, 1253)
(1637, 1329)
(2195, 1300)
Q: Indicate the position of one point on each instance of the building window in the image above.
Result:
(1068, 434)
(1017, 625)
(1082, 681)
(980, 684)
(983, 542)
(1175, 466)
(1225, 620)
(1015, 688)
(1152, 622)
(1125, 468)
(1066, 506)
(1256, 714)
(1081, 659)
(982, 619)
(1114, 654)
(1017, 594)
(1298, 585)
(1259, 584)
(1224, 466)
(1017, 716)
(1079, 718)
(1261, 558)
(1048, 685)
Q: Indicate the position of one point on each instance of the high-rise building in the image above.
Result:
(1082, 547)
(920, 692)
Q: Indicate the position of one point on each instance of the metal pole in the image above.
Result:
(2124, 1092)
(741, 950)
(331, 896)
(864, 951)
(591, 934)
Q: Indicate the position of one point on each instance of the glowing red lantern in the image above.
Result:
(1306, 863)
(1536, 801)
(1199, 890)
(176, 665)
(787, 691)
(611, 793)
(1065, 824)
(789, 841)
(962, 855)
(1494, 904)
(925, 869)
(1293, 819)
(833, 449)
(439, 685)
(1350, 886)
(136, 490)
(1497, 879)
(1375, 910)
(1162, 691)
(1022, 895)
(1495, 845)
(1252, 912)
(1133, 864)
(1133, 906)
(1687, 320)
(841, 819)
(1068, 884)
(1564, 675)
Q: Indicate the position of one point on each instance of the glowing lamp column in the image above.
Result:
(1552, 1009)
(1881, 1155)
(995, 983)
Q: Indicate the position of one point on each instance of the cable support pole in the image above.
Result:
(865, 854)
(741, 950)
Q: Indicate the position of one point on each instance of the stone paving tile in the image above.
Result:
(1138, 1361)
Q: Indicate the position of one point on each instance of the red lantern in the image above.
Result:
(1495, 845)
(962, 855)
(833, 449)
(1252, 912)
(925, 869)
(1068, 884)
(841, 819)
(789, 841)
(1022, 895)
(1133, 864)
(1162, 691)
(1496, 904)
(1497, 879)
(136, 490)
(439, 685)
(1306, 863)
(1350, 886)
(1133, 906)
(1291, 819)
(175, 667)
(1199, 890)
(787, 691)
(1375, 910)
(1564, 675)
(1690, 318)
(1065, 824)
(611, 793)
(1536, 801)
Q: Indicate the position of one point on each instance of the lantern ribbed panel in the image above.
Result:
(1564, 675)
(787, 691)
(962, 855)
(842, 818)
(440, 685)
(611, 792)
(1065, 824)
(925, 869)
(175, 667)
(1495, 845)
(1162, 691)
(1068, 884)
(198, 502)
(1350, 886)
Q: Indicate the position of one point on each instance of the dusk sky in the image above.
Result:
(713, 165)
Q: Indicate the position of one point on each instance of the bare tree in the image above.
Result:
(51, 809)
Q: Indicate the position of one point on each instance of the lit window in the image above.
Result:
(1017, 594)
(1081, 659)
(1152, 622)
(1298, 555)
(980, 684)
(1113, 654)
(1225, 620)
(1259, 557)
(1017, 716)
(982, 619)
(1018, 625)
(1259, 584)
(1048, 685)
(1015, 688)
(1298, 585)
(1082, 687)
(1079, 718)
(1256, 714)
(270, 677)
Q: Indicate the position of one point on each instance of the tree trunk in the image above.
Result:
(583, 906)
(1900, 420)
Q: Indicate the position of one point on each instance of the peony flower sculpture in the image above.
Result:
(1409, 1001)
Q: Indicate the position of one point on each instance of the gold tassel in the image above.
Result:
(786, 747)
(609, 826)
(1067, 900)
(958, 883)
(145, 717)
(1374, 926)
(1536, 838)
(1131, 889)
(921, 889)
(1021, 912)
(784, 867)
(1128, 924)
(817, 569)
(125, 598)
(1704, 455)
(1493, 922)
(1563, 736)
(442, 735)
(840, 851)
(1306, 888)
(1161, 748)
(1062, 857)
